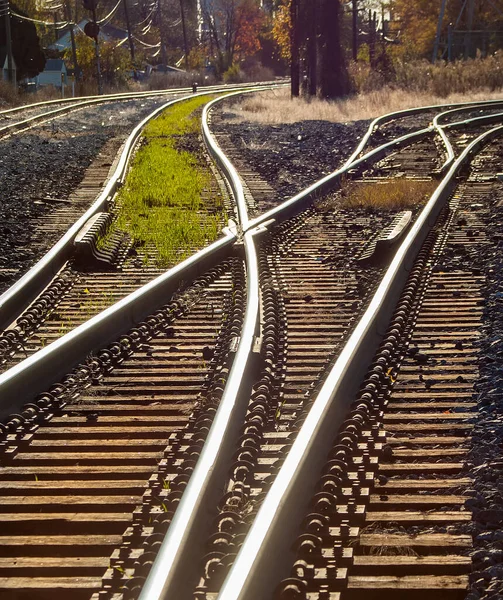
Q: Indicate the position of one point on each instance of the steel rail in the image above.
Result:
(228, 424)
(144, 94)
(224, 163)
(94, 100)
(176, 567)
(466, 122)
(190, 523)
(332, 180)
(19, 295)
(49, 364)
(264, 557)
(410, 112)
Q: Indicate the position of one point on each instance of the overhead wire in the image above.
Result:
(59, 24)
(147, 17)
(110, 14)
(145, 44)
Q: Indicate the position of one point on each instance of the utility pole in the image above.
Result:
(68, 15)
(372, 38)
(184, 30)
(129, 33)
(92, 29)
(439, 31)
(470, 9)
(162, 33)
(355, 30)
(8, 40)
(449, 43)
(312, 54)
(294, 47)
(97, 50)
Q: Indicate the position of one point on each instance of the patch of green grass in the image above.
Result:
(161, 201)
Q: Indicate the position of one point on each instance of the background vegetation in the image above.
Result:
(331, 48)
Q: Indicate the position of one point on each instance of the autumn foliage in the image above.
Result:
(233, 28)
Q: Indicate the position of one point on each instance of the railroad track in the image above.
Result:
(21, 118)
(220, 387)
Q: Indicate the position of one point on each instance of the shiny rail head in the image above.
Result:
(42, 369)
(223, 162)
(260, 563)
(18, 296)
(131, 95)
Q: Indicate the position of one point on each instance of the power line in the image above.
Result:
(110, 14)
(59, 24)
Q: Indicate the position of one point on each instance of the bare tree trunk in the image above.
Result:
(295, 54)
(312, 54)
(355, 29)
(185, 39)
(334, 80)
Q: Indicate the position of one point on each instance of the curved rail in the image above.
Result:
(410, 112)
(46, 366)
(465, 123)
(332, 180)
(262, 559)
(22, 292)
(145, 94)
(172, 577)
(18, 296)
(174, 572)
(175, 569)
(72, 104)
(225, 165)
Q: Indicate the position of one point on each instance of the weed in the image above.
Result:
(161, 201)
(276, 106)
(396, 194)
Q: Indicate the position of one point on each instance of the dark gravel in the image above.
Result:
(292, 156)
(49, 162)
(486, 457)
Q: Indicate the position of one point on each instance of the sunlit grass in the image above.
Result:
(161, 201)
(396, 194)
(276, 106)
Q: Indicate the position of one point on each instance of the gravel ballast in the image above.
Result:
(48, 162)
(290, 156)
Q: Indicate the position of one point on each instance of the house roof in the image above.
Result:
(54, 64)
(3, 59)
(107, 32)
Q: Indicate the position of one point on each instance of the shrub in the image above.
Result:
(234, 74)
(8, 93)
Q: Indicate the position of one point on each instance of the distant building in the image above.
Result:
(107, 33)
(55, 73)
(4, 64)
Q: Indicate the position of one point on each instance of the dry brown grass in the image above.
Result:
(276, 106)
(397, 194)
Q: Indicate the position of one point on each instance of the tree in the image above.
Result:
(281, 28)
(334, 79)
(309, 32)
(114, 61)
(233, 28)
(28, 55)
(476, 26)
